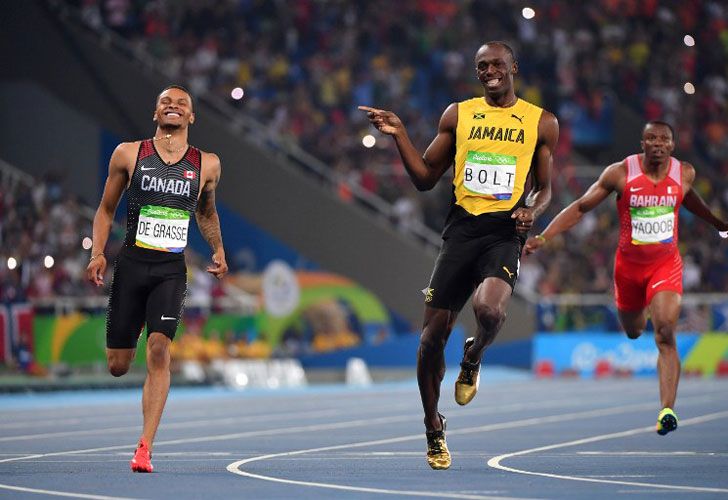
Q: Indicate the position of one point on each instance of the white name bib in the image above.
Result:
(162, 228)
(652, 225)
(490, 175)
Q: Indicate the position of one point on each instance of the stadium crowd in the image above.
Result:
(41, 232)
(305, 66)
(40, 241)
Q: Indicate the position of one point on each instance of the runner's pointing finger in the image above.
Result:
(371, 110)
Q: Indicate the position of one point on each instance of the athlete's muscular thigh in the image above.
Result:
(127, 304)
(166, 299)
(500, 259)
(454, 275)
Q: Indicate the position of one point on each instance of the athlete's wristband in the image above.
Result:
(100, 254)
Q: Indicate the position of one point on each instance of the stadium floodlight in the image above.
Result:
(689, 40)
(689, 88)
(237, 93)
(87, 243)
(12, 263)
(48, 261)
(528, 13)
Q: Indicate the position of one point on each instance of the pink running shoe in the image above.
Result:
(142, 461)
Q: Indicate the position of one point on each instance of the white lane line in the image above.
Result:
(61, 493)
(185, 421)
(223, 437)
(235, 466)
(645, 491)
(362, 489)
(267, 417)
(287, 415)
(108, 418)
(247, 434)
(495, 462)
(235, 469)
(620, 475)
(375, 421)
(32, 419)
(504, 408)
(175, 425)
(650, 453)
(173, 408)
(20, 421)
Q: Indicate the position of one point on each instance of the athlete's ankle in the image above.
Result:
(433, 425)
(146, 442)
(471, 359)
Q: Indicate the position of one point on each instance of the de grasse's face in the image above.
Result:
(174, 109)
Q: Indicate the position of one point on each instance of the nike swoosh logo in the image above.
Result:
(165, 318)
(144, 169)
(658, 283)
(634, 189)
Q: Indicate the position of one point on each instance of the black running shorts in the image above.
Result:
(466, 260)
(145, 291)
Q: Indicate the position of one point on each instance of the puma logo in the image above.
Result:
(520, 119)
(510, 274)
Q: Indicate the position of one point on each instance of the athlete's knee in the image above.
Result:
(665, 336)
(633, 323)
(489, 317)
(633, 333)
(431, 342)
(436, 330)
(117, 367)
(158, 352)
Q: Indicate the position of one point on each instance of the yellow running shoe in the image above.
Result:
(466, 386)
(438, 456)
(666, 421)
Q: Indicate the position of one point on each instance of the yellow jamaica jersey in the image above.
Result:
(494, 150)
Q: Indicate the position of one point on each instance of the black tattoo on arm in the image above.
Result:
(206, 216)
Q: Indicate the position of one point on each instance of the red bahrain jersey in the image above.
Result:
(648, 212)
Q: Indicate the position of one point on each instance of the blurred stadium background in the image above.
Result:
(328, 242)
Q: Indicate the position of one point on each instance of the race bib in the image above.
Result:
(162, 228)
(652, 225)
(490, 175)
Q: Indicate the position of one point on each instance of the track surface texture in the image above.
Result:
(519, 438)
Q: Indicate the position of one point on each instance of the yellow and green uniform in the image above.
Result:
(493, 159)
(494, 153)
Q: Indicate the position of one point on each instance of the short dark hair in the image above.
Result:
(507, 47)
(178, 87)
(660, 122)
